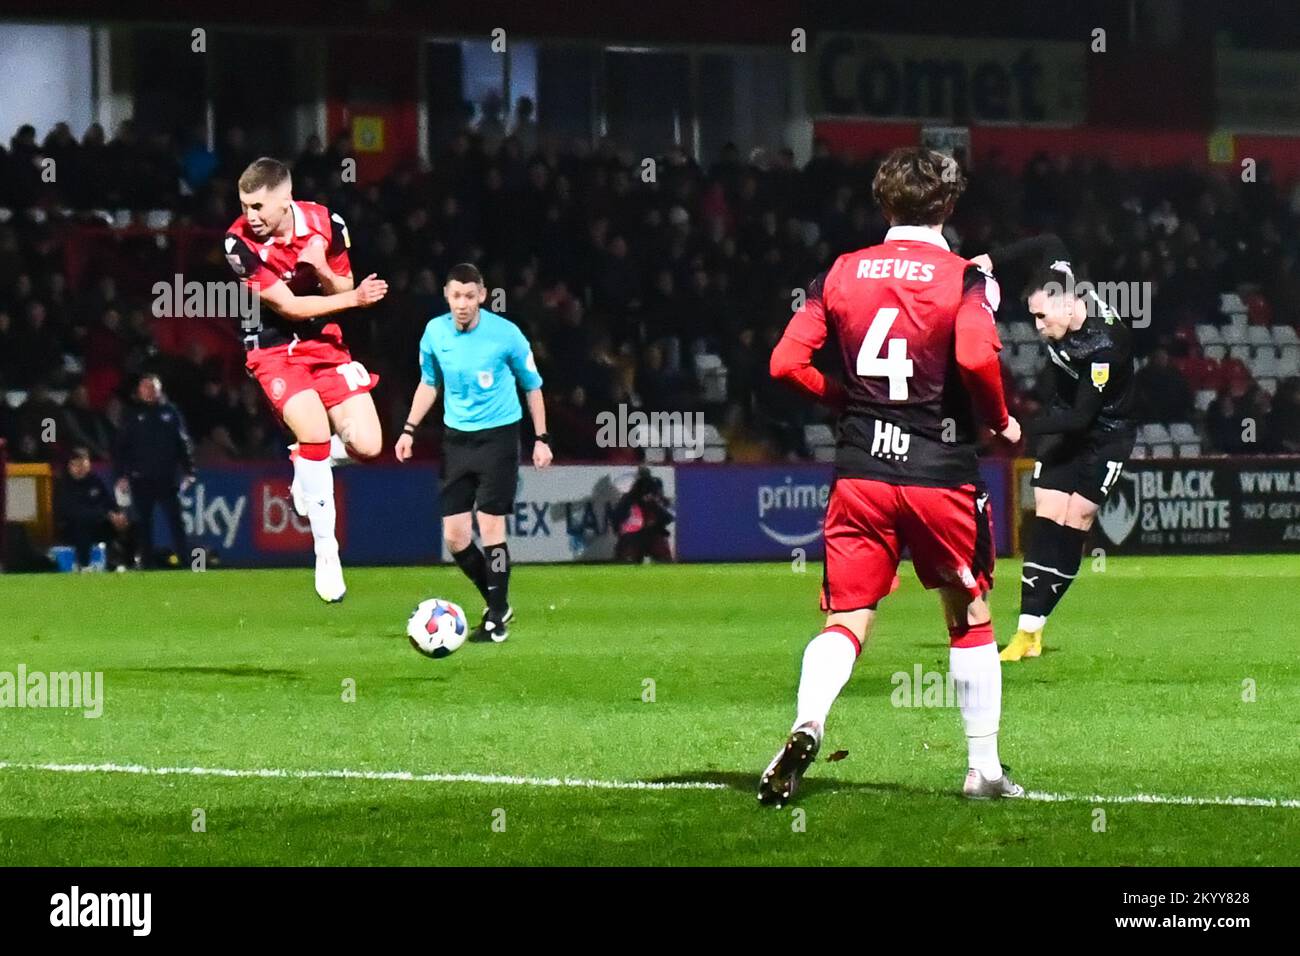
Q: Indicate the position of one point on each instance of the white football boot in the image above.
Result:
(329, 578)
(980, 787)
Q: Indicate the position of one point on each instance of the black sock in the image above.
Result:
(472, 562)
(1051, 563)
(498, 578)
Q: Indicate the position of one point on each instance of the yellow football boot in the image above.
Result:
(1024, 644)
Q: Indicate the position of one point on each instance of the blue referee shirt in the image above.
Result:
(478, 370)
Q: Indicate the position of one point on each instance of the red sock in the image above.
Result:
(314, 450)
(841, 629)
(971, 635)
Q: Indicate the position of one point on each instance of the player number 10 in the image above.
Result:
(895, 366)
(354, 374)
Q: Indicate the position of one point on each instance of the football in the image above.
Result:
(437, 627)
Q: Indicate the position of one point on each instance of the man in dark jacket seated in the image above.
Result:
(85, 513)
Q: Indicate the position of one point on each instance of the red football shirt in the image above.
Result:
(915, 327)
(263, 262)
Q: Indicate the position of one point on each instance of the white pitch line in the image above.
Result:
(578, 783)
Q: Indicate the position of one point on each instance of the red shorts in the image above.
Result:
(949, 532)
(323, 364)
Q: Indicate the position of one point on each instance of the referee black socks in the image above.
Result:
(473, 563)
(498, 579)
(1051, 564)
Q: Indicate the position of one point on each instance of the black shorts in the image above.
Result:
(480, 470)
(1086, 465)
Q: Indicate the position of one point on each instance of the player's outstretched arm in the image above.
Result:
(1043, 249)
(304, 308)
(977, 347)
(421, 402)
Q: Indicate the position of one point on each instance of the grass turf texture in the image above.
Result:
(1140, 691)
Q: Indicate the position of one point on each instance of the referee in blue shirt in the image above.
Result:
(478, 359)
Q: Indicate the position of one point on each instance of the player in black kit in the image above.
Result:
(1087, 432)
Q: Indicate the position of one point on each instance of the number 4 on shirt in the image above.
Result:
(895, 365)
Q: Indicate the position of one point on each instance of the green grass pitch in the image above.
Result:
(1166, 677)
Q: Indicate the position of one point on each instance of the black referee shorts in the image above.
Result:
(1086, 465)
(480, 470)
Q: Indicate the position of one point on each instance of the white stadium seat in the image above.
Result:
(1182, 431)
(1189, 450)
(818, 435)
(1234, 334)
(1240, 352)
(1259, 335)
(1268, 384)
(1285, 335)
(1209, 335)
(1230, 302)
(1204, 398)
(1162, 451)
(824, 454)
(15, 397)
(1139, 452)
(1216, 352)
(1154, 432)
(1264, 364)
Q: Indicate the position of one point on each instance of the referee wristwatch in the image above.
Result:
(408, 429)
(545, 438)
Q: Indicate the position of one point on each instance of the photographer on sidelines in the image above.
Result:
(643, 517)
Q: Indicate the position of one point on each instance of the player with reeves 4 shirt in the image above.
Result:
(479, 360)
(914, 323)
(295, 255)
(1089, 429)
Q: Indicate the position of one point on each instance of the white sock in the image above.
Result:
(977, 677)
(339, 451)
(827, 665)
(317, 483)
(1032, 623)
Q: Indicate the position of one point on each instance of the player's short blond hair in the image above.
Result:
(266, 172)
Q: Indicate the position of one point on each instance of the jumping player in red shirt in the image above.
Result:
(915, 326)
(295, 256)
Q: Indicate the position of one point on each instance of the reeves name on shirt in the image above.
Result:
(906, 269)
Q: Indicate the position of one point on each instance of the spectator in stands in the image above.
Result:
(1284, 420)
(703, 253)
(1162, 392)
(154, 464)
(86, 427)
(39, 347)
(86, 514)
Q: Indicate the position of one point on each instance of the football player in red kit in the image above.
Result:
(295, 256)
(915, 326)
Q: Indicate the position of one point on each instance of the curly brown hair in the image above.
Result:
(916, 186)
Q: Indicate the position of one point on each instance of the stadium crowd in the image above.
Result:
(623, 274)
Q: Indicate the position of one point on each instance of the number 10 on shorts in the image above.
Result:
(354, 375)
